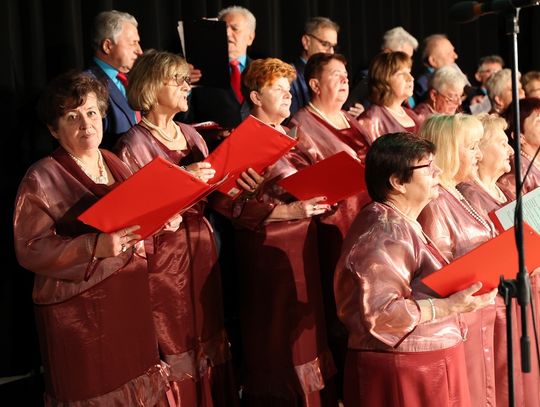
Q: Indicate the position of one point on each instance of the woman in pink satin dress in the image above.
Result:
(457, 227)
(286, 357)
(405, 346)
(92, 304)
(390, 85)
(331, 130)
(184, 275)
(526, 389)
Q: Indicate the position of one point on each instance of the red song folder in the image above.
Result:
(336, 177)
(148, 198)
(252, 144)
(486, 263)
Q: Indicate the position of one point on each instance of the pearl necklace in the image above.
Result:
(326, 119)
(468, 207)
(418, 229)
(162, 132)
(102, 178)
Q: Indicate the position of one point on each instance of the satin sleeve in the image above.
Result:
(38, 246)
(376, 280)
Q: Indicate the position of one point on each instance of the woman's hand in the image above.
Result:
(173, 223)
(201, 170)
(112, 244)
(460, 302)
(250, 181)
(299, 209)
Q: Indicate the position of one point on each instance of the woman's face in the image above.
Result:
(531, 130)
(334, 83)
(172, 95)
(469, 155)
(424, 184)
(402, 83)
(275, 100)
(81, 129)
(496, 153)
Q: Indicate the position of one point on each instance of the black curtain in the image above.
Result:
(42, 38)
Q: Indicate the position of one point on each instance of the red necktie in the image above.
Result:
(122, 77)
(236, 84)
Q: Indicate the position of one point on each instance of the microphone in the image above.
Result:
(466, 11)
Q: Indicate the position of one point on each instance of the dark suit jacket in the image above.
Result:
(120, 116)
(218, 105)
(299, 88)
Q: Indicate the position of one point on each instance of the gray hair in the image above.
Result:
(447, 76)
(396, 37)
(314, 23)
(498, 83)
(108, 25)
(250, 18)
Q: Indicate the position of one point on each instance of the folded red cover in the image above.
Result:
(336, 177)
(487, 263)
(148, 198)
(253, 144)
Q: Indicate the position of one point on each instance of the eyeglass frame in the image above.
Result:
(448, 99)
(325, 44)
(184, 79)
(417, 167)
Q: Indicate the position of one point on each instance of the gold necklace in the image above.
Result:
(326, 119)
(102, 178)
(162, 132)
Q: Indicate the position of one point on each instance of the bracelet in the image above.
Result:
(433, 313)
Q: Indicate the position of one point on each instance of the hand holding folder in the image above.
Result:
(253, 144)
(336, 177)
(486, 263)
(148, 198)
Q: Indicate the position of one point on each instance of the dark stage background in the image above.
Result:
(42, 38)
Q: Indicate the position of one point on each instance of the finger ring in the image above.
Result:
(123, 247)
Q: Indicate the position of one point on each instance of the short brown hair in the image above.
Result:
(382, 67)
(69, 91)
(149, 73)
(316, 64)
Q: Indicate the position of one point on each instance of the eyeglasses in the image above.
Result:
(181, 79)
(428, 165)
(452, 99)
(326, 45)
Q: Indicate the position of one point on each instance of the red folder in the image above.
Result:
(336, 177)
(148, 198)
(252, 144)
(486, 263)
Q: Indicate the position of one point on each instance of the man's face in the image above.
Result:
(443, 54)
(239, 34)
(123, 53)
(486, 70)
(322, 40)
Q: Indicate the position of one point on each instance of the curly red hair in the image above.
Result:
(264, 72)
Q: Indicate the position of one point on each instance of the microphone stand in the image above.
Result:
(520, 286)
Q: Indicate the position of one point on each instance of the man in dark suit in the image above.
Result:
(116, 45)
(320, 35)
(227, 107)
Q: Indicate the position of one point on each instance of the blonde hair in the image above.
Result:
(148, 74)
(491, 123)
(449, 133)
